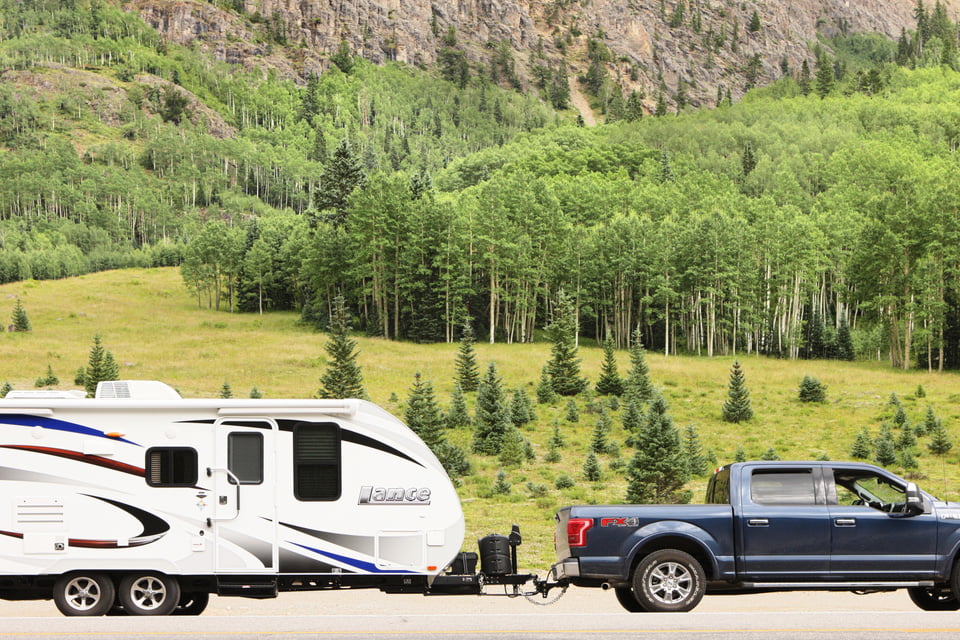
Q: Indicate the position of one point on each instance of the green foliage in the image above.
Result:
(467, 370)
(423, 414)
(564, 365)
(598, 442)
(5, 389)
(572, 411)
(343, 377)
(458, 415)
(20, 319)
(658, 471)
(886, 454)
(637, 384)
(812, 390)
(521, 408)
(591, 468)
(492, 416)
(226, 391)
(770, 454)
(501, 487)
(100, 367)
(512, 450)
(862, 445)
(564, 481)
(49, 380)
(740, 455)
(940, 441)
(737, 406)
(693, 451)
(609, 383)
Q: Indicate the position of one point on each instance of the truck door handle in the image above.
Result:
(845, 522)
(758, 522)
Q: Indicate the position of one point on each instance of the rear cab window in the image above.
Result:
(790, 486)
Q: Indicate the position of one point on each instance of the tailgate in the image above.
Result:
(560, 542)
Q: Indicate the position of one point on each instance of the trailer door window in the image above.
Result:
(245, 457)
(171, 467)
(316, 461)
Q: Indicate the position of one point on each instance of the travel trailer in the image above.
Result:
(141, 502)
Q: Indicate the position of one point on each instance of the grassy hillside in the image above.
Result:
(155, 331)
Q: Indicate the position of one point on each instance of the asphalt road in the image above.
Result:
(580, 613)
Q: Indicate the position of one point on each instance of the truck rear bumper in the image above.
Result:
(565, 569)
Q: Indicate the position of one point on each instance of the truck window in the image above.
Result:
(171, 467)
(316, 461)
(784, 487)
(718, 490)
(864, 488)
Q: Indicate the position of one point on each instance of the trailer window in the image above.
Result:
(786, 487)
(245, 457)
(171, 467)
(316, 461)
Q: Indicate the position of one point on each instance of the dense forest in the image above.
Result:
(815, 218)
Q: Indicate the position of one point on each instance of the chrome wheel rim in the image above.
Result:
(670, 583)
(82, 593)
(148, 593)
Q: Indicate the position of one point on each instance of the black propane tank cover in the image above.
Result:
(495, 555)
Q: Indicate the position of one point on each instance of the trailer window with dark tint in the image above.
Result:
(786, 487)
(171, 467)
(245, 457)
(316, 461)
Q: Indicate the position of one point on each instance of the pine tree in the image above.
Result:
(5, 389)
(737, 407)
(609, 383)
(804, 81)
(754, 25)
(929, 424)
(740, 455)
(632, 418)
(467, 372)
(862, 445)
(458, 415)
(521, 409)
(423, 414)
(598, 443)
(573, 413)
(886, 453)
(591, 468)
(20, 320)
(512, 452)
(824, 77)
(940, 442)
(343, 377)
(100, 367)
(341, 175)
(255, 393)
(658, 470)
(693, 450)
(564, 365)
(906, 439)
(770, 454)
(556, 438)
(900, 418)
(49, 380)
(492, 414)
(812, 390)
(845, 343)
(638, 378)
(226, 391)
(545, 392)
(501, 487)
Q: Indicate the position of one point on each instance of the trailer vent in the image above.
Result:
(39, 511)
(136, 390)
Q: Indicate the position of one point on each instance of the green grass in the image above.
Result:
(156, 331)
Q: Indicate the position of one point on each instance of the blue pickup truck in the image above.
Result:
(769, 526)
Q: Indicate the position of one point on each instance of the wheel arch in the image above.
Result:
(696, 548)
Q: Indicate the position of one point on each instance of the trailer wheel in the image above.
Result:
(84, 594)
(933, 598)
(149, 594)
(192, 603)
(669, 580)
(627, 600)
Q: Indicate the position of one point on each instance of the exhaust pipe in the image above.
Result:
(605, 586)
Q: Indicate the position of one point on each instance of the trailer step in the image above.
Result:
(247, 586)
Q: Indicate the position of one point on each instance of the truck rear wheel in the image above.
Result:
(627, 600)
(669, 580)
(934, 598)
(84, 594)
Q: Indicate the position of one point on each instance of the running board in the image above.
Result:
(837, 585)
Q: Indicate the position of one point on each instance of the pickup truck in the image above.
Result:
(769, 526)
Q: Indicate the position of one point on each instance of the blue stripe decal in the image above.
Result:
(22, 420)
(369, 567)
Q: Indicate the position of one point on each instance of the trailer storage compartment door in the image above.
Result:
(244, 479)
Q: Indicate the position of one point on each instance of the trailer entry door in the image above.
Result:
(245, 523)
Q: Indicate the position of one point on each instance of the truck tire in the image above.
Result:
(934, 598)
(192, 603)
(669, 580)
(627, 600)
(84, 594)
(149, 594)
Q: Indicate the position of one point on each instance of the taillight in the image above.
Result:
(577, 531)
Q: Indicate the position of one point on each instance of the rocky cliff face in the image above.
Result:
(655, 45)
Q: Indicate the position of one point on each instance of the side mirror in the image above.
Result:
(914, 504)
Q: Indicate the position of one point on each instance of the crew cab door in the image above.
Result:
(872, 537)
(783, 526)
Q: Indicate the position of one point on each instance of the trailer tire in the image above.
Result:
(84, 594)
(669, 580)
(149, 594)
(192, 603)
(627, 600)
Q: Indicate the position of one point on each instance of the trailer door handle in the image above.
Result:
(845, 522)
(758, 522)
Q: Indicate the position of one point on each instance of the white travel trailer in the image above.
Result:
(141, 502)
